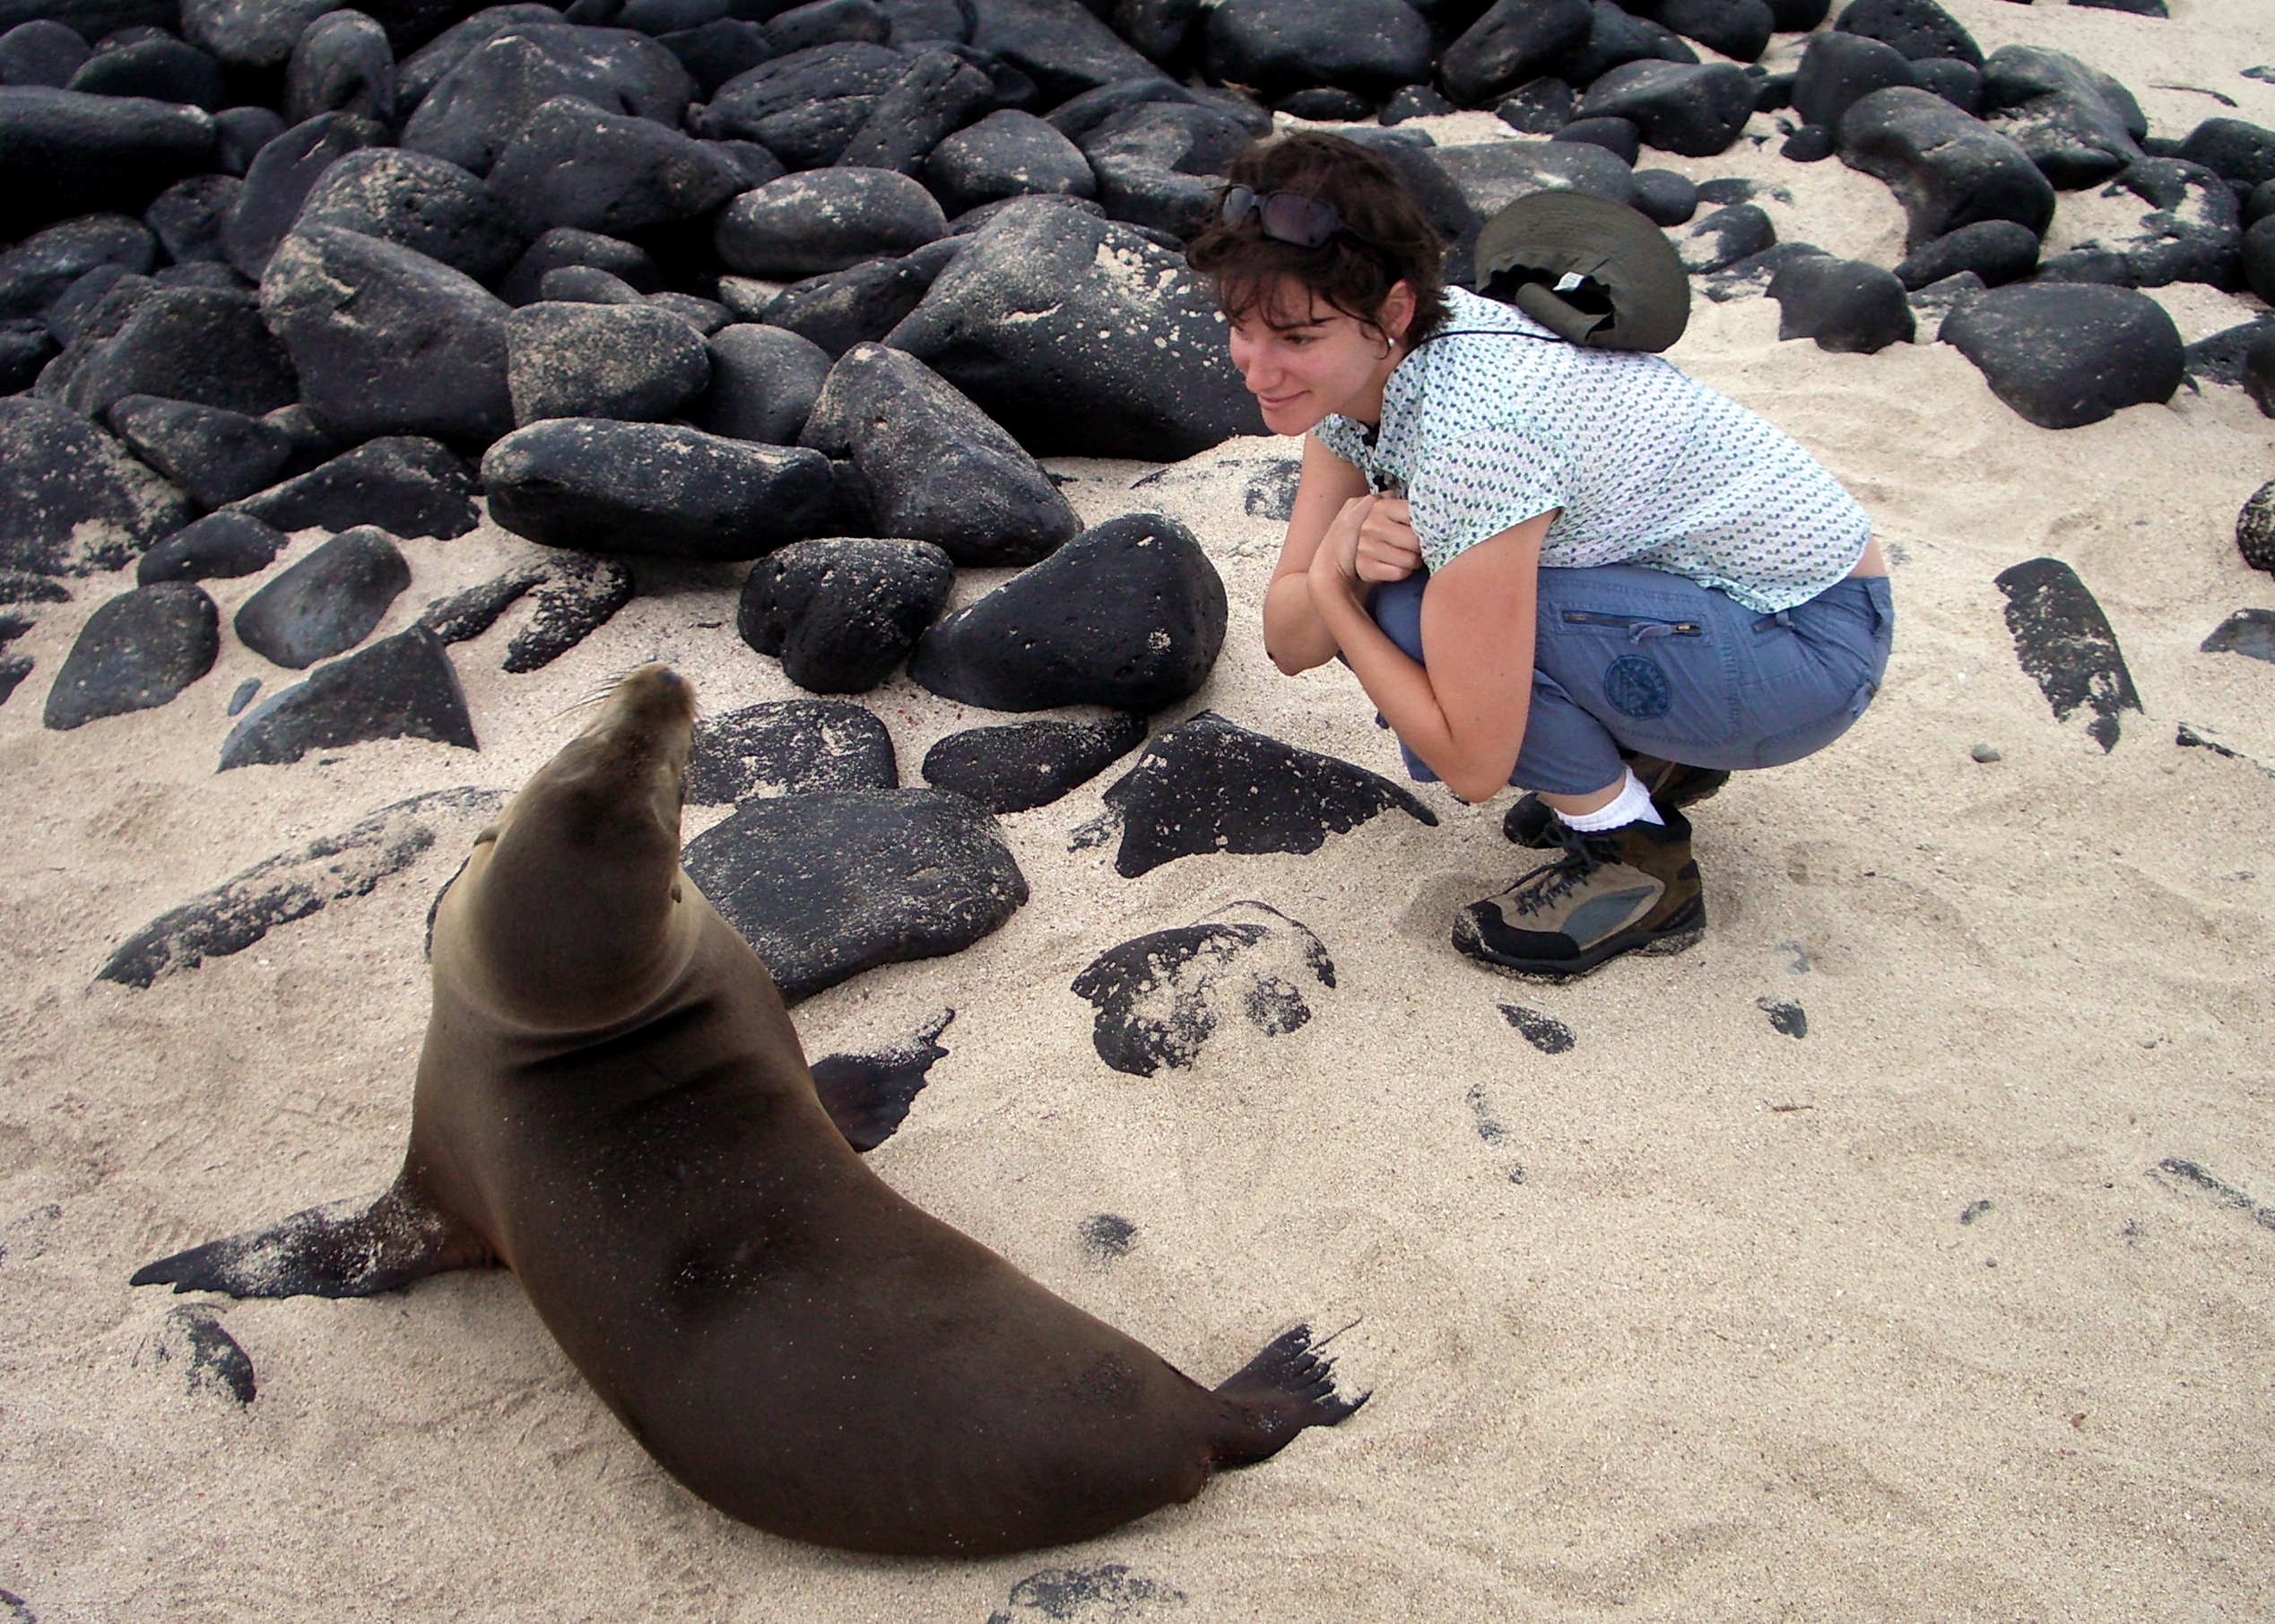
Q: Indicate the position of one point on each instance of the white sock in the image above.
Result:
(1632, 804)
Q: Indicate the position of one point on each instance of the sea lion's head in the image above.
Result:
(568, 912)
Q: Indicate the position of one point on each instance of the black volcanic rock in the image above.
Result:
(1030, 764)
(841, 613)
(72, 501)
(136, 652)
(26, 347)
(1667, 198)
(284, 173)
(406, 485)
(1277, 47)
(827, 22)
(2255, 529)
(218, 547)
(215, 456)
(476, 108)
(2067, 354)
(1715, 242)
(939, 93)
(653, 488)
(1014, 324)
(1694, 111)
(1129, 616)
(562, 247)
(2066, 645)
(2232, 150)
(1999, 251)
(205, 345)
(1207, 787)
(1946, 168)
(717, 51)
(579, 595)
(764, 382)
(249, 33)
(804, 107)
(789, 747)
(1059, 43)
(326, 602)
(1492, 175)
(1006, 154)
(158, 69)
(1849, 307)
(42, 51)
(826, 220)
(1159, 164)
(342, 63)
(66, 152)
(937, 468)
(572, 165)
(1839, 70)
(189, 215)
(401, 687)
(42, 268)
(196, 1350)
(838, 309)
(2060, 112)
(634, 362)
(424, 203)
(1513, 42)
(1616, 37)
(1161, 996)
(868, 1095)
(387, 341)
(1920, 29)
(825, 885)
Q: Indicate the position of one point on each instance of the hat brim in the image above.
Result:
(1557, 234)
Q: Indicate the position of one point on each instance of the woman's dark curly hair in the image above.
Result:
(1386, 237)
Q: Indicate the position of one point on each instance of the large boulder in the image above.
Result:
(1161, 164)
(1617, 37)
(326, 602)
(764, 382)
(342, 63)
(1738, 28)
(2193, 231)
(1513, 42)
(1006, 154)
(1848, 306)
(220, 546)
(2232, 149)
(1839, 70)
(939, 92)
(476, 108)
(937, 468)
(135, 653)
(215, 456)
(2060, 112)
(401, 687)
(861, 303)
(825, 885)
(573, 165)
(789, 747)
(1494, 174)
(1696, 110)
(72, 501)
(841, 613)
(653, 488)
(1028, 764)
(405, 485)
(562, 249)
(276, 187)
(1920, 29)
(199, 344)
(1947, 169)
(42, 51)
(67, 153)
(157, 67)
(1059, 43)
(806, 106)
(826, 220)
(1207, 788)
(1129, 616)
(635, 362)
(1277, 47)
(2066, 354)
(425, 203)
(387, 341)
(41, 268)
(1999, 251)
(1016, 324)
(250, 33)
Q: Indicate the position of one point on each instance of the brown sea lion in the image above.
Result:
(612, 1103)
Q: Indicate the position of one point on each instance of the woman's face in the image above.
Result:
(1303, 359)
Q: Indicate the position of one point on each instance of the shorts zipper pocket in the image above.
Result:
(1637, 626)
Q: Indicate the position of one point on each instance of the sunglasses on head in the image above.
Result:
(1288, 217)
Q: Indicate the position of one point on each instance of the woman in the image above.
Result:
(1624, 571)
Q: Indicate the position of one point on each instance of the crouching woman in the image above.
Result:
(1569, 569)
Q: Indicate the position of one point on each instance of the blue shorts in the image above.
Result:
(1642, 661)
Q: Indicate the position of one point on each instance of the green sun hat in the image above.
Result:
(1591, 271)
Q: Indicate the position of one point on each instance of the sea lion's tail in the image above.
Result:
(345, 1248)
(1289, 1386)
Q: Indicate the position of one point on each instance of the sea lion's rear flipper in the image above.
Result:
(1284, 1389)
(868, 1095)
(345, 1248)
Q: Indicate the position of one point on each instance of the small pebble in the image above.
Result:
(243, 697)
(1985, 754)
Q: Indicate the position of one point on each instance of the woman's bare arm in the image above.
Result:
(1294, 636)
(1465, 714)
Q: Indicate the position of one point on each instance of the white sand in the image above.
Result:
(1726, 1352)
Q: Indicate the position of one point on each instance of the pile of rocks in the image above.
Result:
(817, 284)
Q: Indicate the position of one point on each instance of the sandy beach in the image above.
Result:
(1847, 1266)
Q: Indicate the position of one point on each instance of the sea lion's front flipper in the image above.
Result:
(345, 1248)
(1284, 1389)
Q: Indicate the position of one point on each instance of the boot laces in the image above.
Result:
(1554, 880)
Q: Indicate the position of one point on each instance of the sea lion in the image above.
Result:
(612, 1103)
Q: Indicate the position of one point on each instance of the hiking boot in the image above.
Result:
(1673, 785)
(1625, 889)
